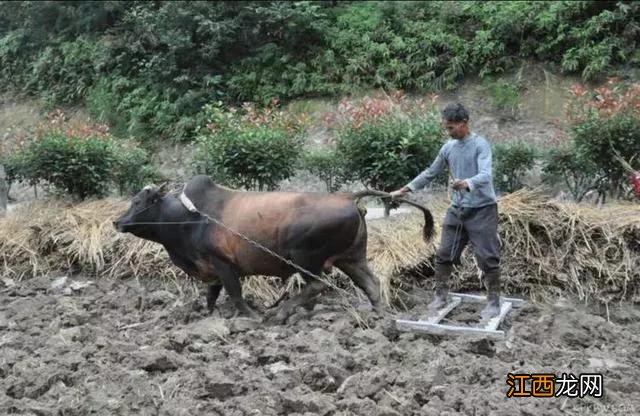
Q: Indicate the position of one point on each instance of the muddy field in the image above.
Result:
(79, 347)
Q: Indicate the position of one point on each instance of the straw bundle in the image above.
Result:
(592, 252)
(547, 247)
(51, 236)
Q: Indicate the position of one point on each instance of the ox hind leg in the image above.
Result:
(306, 298)
(311, 289)
(361, 275)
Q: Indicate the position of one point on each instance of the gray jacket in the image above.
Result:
(469, 159)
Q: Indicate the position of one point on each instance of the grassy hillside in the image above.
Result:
(147, 68)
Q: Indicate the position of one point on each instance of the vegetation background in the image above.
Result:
(231, 82)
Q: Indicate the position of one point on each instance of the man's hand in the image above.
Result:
(459, 185)
(400, 192)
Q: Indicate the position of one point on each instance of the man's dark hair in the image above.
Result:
(455, 112)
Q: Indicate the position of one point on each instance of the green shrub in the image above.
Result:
(564, 164)
(13, 60)
(77, 167)
(597, 138)
(17, 168)
(329, 166)
(62, 74)
(504, 96)
(137, 110)
(133, 168)
(102, 103)
(511, 161)
(386, 153)
(176, 56)
(80, 167)
(250, 157)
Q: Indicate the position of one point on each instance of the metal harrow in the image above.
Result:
(432, 325)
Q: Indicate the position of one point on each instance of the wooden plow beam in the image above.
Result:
(490, 329)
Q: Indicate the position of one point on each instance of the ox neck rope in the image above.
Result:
(159, 222)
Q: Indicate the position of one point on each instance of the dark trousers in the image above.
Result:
(476, 225)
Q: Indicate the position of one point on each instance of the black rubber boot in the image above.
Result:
(442, 276)
(492, 282)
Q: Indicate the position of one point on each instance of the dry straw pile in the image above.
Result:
(548, 248)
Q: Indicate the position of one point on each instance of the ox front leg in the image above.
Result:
(212, 295)
(231, 282)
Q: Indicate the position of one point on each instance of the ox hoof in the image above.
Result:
(244, 325)
(378, 310)
(282, 316)
(249, 315)
(281, 319)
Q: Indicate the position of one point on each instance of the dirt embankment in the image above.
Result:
(122, 347)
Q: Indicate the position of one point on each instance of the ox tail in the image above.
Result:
(427, 230)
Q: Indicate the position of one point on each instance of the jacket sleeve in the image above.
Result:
(484, 167)
(431, 172)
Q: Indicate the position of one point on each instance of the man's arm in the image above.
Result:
(431, 172)
(484, 167)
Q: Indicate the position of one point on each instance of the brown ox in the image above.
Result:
(313, 230)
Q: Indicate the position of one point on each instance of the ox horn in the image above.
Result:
(163, 189)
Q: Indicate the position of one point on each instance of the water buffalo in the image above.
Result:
(314, 230)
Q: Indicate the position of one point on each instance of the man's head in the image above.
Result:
(455, 118)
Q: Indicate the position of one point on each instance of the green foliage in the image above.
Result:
(77, 167)
(601, 41)
(254, 157)
(13, 65)
(383, 153)
(597, 138)
(103, 100)
(53, 48)
(133, 168)
(80, 167)
(17, 168)
(567, 165)
(287, 56)
(63, 73)
(504, 96)
(137, 110)
(151, 66)
(511, 161)
(329, 166)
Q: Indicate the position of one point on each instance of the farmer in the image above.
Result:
(473, 214)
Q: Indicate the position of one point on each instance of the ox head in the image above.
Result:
(145, 208)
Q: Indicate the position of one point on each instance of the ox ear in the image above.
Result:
(164, 188)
